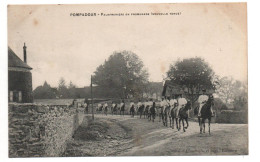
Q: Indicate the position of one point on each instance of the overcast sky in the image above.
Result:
(60, 45)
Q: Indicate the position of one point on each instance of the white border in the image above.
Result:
(253, 53)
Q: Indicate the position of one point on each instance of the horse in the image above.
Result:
(183, 115)
(114, 110)
(100, 108)
(152, 112)
(173, 115)
(160, 113)
(205, 114)
(165, 115)
(122, 109)
(141, 110)
(105, 110)
(146, 111)
(132, 110)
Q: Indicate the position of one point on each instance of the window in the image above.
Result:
(20, 96)
(11, 97)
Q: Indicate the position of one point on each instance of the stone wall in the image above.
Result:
(38, 130)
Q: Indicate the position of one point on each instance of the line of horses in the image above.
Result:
(166, 114)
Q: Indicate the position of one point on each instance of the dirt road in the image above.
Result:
(124, 136)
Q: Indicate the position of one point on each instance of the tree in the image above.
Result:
(62, 89)
(123, 72)
(71, 90)
(44, 92)
(232, 92)
(192, 74)
(225, 90)
(152, 88)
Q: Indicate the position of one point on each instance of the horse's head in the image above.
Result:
(210, 100)
(188, 105)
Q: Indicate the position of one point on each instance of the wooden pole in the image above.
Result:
(92, 98)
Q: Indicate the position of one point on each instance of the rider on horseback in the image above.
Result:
(100, 107)
(132, 105)
(173, 102)
(139, 104)
(105, 106)
(150, 103)
(166, 103)
(181, 103)
(122, 105)
(202, 101)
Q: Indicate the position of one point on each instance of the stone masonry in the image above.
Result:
(40, 130)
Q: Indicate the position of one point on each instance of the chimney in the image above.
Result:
(24, 54)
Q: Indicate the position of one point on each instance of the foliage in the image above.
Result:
(71, 90)
(47, 92)
(44, 92)
(62, 89)
(233, 92)
(152, 88)
(123, 71)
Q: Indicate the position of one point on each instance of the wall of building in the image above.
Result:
(21, 81)
(38, 130)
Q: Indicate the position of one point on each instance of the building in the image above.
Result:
(171, 89)
(19, 78)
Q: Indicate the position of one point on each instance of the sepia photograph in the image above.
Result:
(165, 79)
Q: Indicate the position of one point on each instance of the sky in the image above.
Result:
(72, 47)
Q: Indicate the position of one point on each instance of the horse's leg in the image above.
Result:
(170, 121)
(203, 125)
(183, 125)
(179, 122)
(209, 120)
(163, 119)
(167, 118)
(186, 119)
(200, 124)
(176, 121)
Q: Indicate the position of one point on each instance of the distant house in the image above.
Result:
(19, 78)
(171, 89)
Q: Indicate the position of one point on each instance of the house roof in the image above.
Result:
(173, 88)
(15, 61)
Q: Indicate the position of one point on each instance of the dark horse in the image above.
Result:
(152, 112)
(132, 111)
(183, 115)
(205, 114)
(114, 109)
(105, 110)
(122, 110)
(173, 115)
(165, 115)
(146, 111)
(141, 110)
